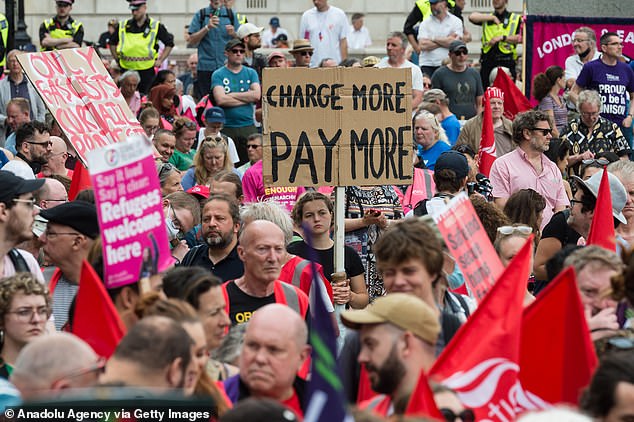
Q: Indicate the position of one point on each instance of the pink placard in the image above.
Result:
(549, 39)
(469, 244)
(129, 205)
(81, 95)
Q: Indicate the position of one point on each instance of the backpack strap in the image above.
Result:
(18, 261)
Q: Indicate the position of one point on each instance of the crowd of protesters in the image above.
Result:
(229, 323)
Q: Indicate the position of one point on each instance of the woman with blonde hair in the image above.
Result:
(430, 138)
(212, 157)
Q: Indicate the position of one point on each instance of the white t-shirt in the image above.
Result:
(574, 65)
(432, 27)
(233, 153)
(358, 40)
(267, 37)
(324, 30)
(417, 74)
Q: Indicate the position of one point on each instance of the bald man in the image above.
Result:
(44, 368)
(262, 249)
(274, 350)
(51, 194)
(56, 163)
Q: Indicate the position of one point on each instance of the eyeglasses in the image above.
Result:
(97, 367)
(26, 314)
(600, 161)
(619, 43)
(51, 234)
(575, 201)
(237, 51)
(461, 53)
(507, 230)
(466, 415)
(306, 53)
(56, 200)
(544, 131)
(253, 146)
(29, 202)
(47, 143)
(187, 123)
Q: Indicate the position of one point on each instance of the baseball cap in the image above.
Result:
(275, 53)
(65, 1)
(453, 160)
(199, 190)
(457, 45)
(247, 29)
(402, 310)
(617, 190)
(14, 186)
(79, 215)
(275, 21)
(232, 43)
(215, 115)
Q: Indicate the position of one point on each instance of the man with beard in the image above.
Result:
(528, 167)
(251, 37)
(33, 145)
(219, 253)
(17, 212)
(584, 42)
(395, 345)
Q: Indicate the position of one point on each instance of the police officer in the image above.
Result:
(4, 34)
(500, 36)
(61, 31)
(135, 44)
(420, 12)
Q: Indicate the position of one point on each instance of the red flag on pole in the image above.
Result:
(486, 152)
(602, 226)
(482, 360)
(421, 402)
(80, 181)
(557, 358)
(514, 101)
(96, 320)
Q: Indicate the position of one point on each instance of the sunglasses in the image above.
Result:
(466, 415)
(600, 161)
(306, 53)
(461, 53)
(508, 230)
(43, 143)
(544, 131)
(166, 169)
(237, 51)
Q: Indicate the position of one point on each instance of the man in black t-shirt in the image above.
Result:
(219, 254)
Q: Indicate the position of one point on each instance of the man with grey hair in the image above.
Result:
(527, 166)
(43, 368)
(594, 267)
(396, 45)
(584, 43)
(262, 249)
(591, 133)
(273, 352)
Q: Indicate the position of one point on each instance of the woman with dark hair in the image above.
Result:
(164, 77)
(526, 207)
(546, 88)
(162, 98)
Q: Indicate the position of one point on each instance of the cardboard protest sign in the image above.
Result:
(81, 95)
(130, 209)
(469, 244)
(337, 127)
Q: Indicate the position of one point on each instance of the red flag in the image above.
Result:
(556, 356)
(514, 101)
(482, 360)
(486, 152)
(81, 180)
(602, 226)
(96, 320)
(421, 402)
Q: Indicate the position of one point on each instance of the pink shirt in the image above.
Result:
(512, 172)
(254, 190)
